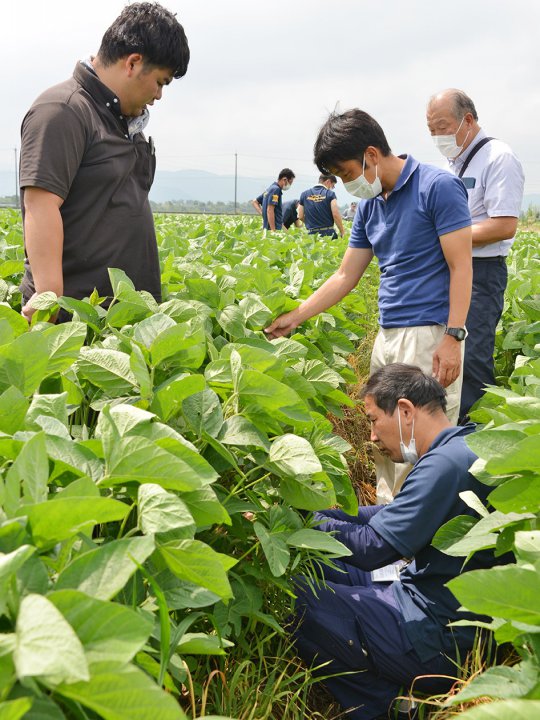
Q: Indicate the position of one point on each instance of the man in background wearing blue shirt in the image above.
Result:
(494, 180)
(385, 610)
(272, 213)
(415, 220)
(318, 208)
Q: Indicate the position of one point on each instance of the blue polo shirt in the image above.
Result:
(429, 498)
(272, 196)
(317, 208)
(403, 233)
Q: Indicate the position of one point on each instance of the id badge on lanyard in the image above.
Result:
(388, 573)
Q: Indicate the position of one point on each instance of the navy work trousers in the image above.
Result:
(489, 283)
(355, 627)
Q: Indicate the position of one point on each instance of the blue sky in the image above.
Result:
(263, 76)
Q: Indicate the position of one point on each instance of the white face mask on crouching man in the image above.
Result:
(408, 452)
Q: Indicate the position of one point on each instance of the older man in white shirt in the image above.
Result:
(494, 180)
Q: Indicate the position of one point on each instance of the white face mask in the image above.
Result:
(363, 189)
(447, 144)
(408, 453)
(286, 187)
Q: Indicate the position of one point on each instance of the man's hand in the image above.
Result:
(447, 361)
(283, 325)
(27, 310)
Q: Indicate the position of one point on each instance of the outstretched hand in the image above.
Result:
(283, 325)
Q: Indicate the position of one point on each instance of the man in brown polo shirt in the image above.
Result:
(86, 167)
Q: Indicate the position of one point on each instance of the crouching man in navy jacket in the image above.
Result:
(383, 616)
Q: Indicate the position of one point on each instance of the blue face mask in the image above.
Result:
(408, 452)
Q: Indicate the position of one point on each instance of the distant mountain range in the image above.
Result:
(210, 187)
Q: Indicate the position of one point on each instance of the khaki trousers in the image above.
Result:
(414, 346)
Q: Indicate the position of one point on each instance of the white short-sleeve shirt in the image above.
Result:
(494, 180)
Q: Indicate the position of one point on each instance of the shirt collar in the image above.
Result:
(459, 161)
(448, 433)
(406, 171)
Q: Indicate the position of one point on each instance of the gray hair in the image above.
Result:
(462, 105)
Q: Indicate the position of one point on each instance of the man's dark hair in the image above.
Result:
(286, 173)
(323, 177)
(346, 137)
(398, 380)
(151, 30)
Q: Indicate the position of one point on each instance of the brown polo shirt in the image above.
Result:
(75, 144)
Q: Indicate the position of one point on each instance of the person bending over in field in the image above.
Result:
(384, 612)
(87, 168)
(415, 220)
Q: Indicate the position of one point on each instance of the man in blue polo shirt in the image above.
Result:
(386, 610)
(415, 220)
(272, 213)
(319, 210)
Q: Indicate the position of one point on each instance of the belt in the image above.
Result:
(331, 227)
(492, 258)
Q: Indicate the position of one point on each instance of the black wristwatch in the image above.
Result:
(458, 333)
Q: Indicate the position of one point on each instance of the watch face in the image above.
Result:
(458, 333)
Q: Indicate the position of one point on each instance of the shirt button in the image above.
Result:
(115, 100)
(126, 135)
(108, 104)
(121, 117)
(351, 642)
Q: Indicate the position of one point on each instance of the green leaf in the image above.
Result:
(293, 455)
(65, 342)
(314, 492)
(15, 320)
(309, 539)
(13, 408)
(203, 412)
(150, 330)
(231, 319)
(508, 592)
(109, 632)
(500, 682)
(136, 459)
(23, 363)
(160, 511)
(205, 507)
(270, 395)
(123, 693)
(15, 709)
(168, 396)
(56, 520)
(31, 470)
(196, 562)
(108, 370)
(46, 645)
(275, 550)
(103, 572)
(255, 313)
(83, 310)
(10, 563)
(527, 546)
(238, 430)
(185, 344)
(503, 710)
(520, 494)
(202, 644)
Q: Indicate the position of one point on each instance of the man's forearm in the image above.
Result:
(492, 230)
(459, 295)
(44, 241)
(271, 217)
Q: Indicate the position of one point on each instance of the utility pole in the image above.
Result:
(17, 204)
(235, 180)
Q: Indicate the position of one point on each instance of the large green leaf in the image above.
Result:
(205, 507)
(508, 592)
(203, 412)
(109, 632)
(46, 645)
(13, 409)
(23, 363)
(261, 391)
(293, 455)
(9, 565)
(65, 342)
(136, 459)
(504, 710)
(30, 471)
(15, 709)
(309, 539)
(520, 494)
(168, 396)
(56, 520)
(275, 549)
(184, 343)
(500, 682)
(103, 572)
(109, 370)
(118, 692)
(160, 511)
(198, 563)
(314, 492)
(238, 430)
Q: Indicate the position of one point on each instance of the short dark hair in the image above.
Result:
(326, 176)
(346, 137)
(286, 173)
(151, 30)
(398, 380)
